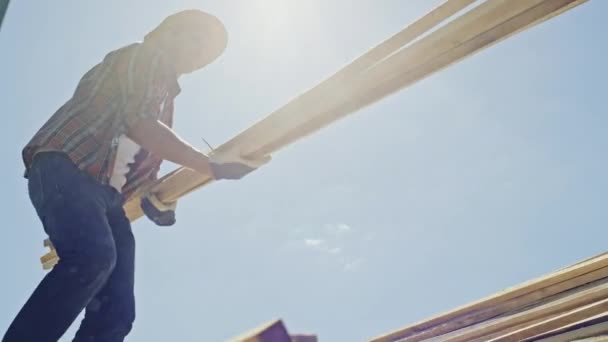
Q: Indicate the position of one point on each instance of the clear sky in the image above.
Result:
(487, 174)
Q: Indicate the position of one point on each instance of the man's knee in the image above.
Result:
(108, 318)
(119, 308)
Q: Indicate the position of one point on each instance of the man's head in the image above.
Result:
(191, 38)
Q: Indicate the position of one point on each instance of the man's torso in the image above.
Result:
(91, 127)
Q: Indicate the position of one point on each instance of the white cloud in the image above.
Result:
(338, 228)
(313, 242)
(332, 243)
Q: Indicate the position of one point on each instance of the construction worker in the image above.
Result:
(102, 146)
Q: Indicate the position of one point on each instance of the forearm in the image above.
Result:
(162, 141)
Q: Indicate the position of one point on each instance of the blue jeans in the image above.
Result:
(88, 226)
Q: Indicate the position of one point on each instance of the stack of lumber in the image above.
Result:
(452, 31)
(568, 305)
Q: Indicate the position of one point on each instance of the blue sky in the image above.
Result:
(478, 178)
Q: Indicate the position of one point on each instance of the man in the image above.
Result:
(96, 151)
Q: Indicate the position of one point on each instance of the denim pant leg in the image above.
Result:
(73, 209)
(109, 316)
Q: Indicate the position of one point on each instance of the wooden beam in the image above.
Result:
(590, 327)
(480, 19)
(309, 113)
(395, 43)
(382, 80)
(567, 318)
(182, 181)
(287, 120)
(497, 334)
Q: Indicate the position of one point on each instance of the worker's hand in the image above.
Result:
(158, 212)
(233, 166)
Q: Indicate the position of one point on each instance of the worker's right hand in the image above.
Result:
(158, 212)
(227, 165)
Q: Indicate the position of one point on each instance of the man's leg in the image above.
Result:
(73, 213)
(110, 315)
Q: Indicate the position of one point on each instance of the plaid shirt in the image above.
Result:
(133, 82)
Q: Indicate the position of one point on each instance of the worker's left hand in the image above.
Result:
(227, 165)
(158, 212)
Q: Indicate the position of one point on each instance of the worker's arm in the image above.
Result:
(162, 141)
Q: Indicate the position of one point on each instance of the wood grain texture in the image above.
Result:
(576, 315)
(593, 326)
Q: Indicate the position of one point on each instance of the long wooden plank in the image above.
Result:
(287, 120)
(386, 48)
(563, 305)
(388, 81)
(592, 320)
(182, 181)
(573, 316)
(592, 326)
(550, 284)
(283, 127)
(497, 334)
(479, 20)
(440, 49)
